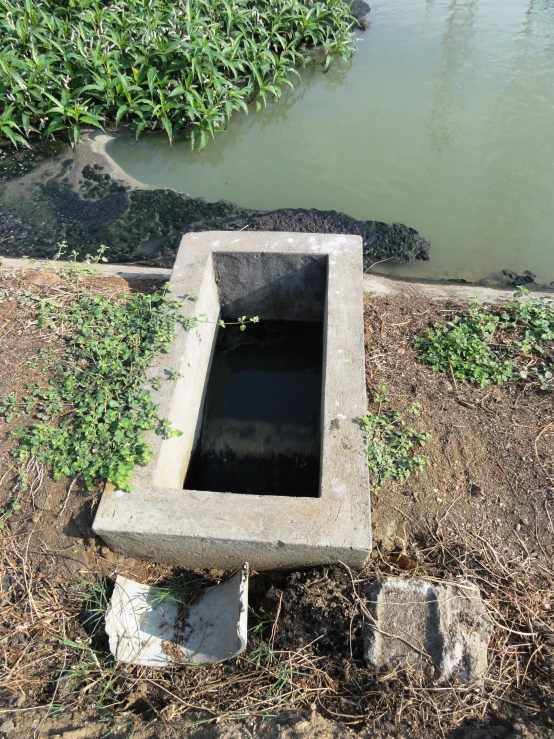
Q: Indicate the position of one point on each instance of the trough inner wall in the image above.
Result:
(274, 286)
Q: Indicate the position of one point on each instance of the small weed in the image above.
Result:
(182, 587)
(7, 512)
(492, 346)
(391, 442)
(92, 671)
(284, 681)
(241, 321)
(74, 270)
(261, 656)
(89, 667)
(156, 382)
(174, 591)
(462, 347)
(95, 594)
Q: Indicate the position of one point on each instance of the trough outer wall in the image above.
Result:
(158, 521)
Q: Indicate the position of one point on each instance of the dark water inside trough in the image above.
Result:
(260, 431)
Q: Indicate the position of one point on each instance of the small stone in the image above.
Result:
(41, 499)
(110, 556)
(430, 672)
(525, 521)
(518, 527)
(7, 727)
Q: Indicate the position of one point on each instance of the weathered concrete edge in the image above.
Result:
(198, 528)
(374, 284)
(127, 271)
(378, 285)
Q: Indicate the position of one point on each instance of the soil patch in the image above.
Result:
(490, 466)
(481, 510)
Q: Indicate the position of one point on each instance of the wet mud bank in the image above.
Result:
(80, 197)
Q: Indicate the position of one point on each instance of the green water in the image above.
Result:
(444, 120)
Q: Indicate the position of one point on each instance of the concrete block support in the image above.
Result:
(442, 630)
(277, 276)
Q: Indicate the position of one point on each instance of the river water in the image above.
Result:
(443, 120)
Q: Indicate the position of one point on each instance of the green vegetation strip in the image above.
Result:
(173, 65)
(94, 409)
(487, 345)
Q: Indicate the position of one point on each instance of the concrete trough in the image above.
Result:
(284, 279)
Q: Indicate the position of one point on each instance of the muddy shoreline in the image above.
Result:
(56, 193)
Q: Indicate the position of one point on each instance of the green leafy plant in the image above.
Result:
(462, 347)
(391, 443)
(257, 623)
(154, 64)
(10, 129)
(75, 268)
(7, 512)
(241, 321)
(92, 413)
(486, 346)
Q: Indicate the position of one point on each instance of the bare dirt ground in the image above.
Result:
(491, 469)
(483, 509)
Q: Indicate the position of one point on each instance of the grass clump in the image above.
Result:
(167, 64)
(391, 442)
(92, 413)
(486, 346)
(92, 669)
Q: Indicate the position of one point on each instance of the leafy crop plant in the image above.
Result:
(173, 65)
